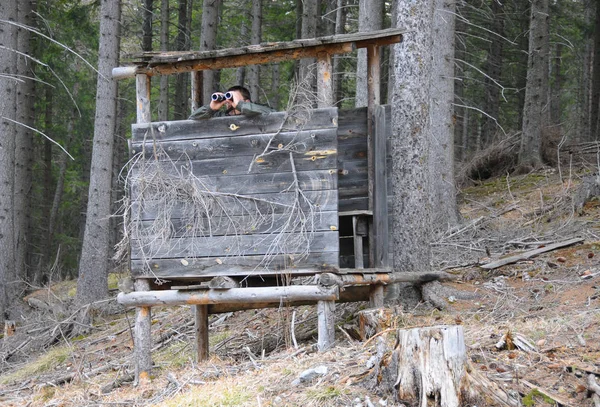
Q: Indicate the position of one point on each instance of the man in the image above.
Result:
(239, 103)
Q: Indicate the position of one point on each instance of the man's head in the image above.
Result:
(243, 91)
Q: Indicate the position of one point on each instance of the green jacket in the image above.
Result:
(246, 108)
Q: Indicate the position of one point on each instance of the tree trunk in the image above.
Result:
(210, 20)
(557, 83)
(530, 151)
(586, 78)
(8, 92)
(182, 44)
(596, 78)
(240, 74)
(493, 71)
(340, 22)
(275, 86)
(62, 170)
(460, 51)
(94, 264)
(308, 74)
(23, 142)
(443, 191)
(163, 101)
(256, 37)
(409, 138)
(370, 18)
(523, 10)
(147, 26)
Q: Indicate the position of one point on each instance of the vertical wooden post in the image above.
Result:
(201, 326)
(143, 315)
(197, 79)
(380, 206)
(324, 82)
(143, 337)
(142, 86)
(326, 324)
(373, 93)
(375, 163)
(380, 229)
(359, 261)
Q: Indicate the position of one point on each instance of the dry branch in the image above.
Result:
(529, 254)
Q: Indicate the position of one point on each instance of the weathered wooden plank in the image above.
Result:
(236, 225)
(258, 204)
(243, 245)
(208, 267)
(232, 126)
(301, 143)
(247, 184)
(380, 207)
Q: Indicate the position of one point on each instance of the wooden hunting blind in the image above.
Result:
(226, 213)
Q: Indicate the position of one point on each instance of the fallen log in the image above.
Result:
(530, 253)
(342, 280)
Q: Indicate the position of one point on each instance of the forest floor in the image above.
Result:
(552, 300)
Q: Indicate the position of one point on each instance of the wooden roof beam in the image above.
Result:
(167, 63)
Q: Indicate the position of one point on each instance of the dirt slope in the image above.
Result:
(551, 300)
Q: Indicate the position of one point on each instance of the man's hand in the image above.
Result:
(215, 105)
(236, 98)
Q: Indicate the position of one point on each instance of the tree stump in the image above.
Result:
(429, 367)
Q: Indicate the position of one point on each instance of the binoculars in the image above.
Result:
(219, 97)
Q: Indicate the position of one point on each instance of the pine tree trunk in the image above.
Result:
(409, 139)
(595, 116)
(370, 18)
(459, 111)
(94, 264)
(493, 71)
(275, 74)
(182, 44)
(163, 101)
(309, 30)
(256, 37)
(24, 142)
(557, 83)
(586, 79)
(8, 91)
(530, 152)
(210, 20)
(340, 22)
(240, 73)
(147, 26)
(443, 194)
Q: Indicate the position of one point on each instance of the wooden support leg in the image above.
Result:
(143, 337)
(376, 296)
(326, 324)
(201, 316)
(359, 262)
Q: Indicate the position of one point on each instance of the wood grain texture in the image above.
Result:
(208, 267)
(231, 126)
